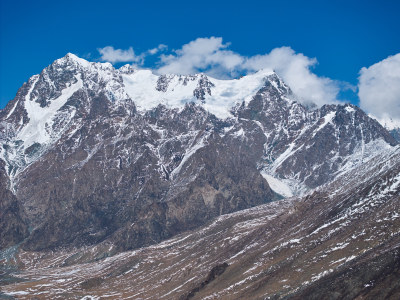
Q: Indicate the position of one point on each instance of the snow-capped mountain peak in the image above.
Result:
(72, 58)
(57, 100)
(148, 90)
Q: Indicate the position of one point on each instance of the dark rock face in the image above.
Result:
(13, 227)
(133, 197)
(102, 170)
(203, 87)
(215, 272)
(162, 83)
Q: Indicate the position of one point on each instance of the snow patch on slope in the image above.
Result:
(12, 110)
(363, 153)
(200, 144)
(41, 118)
(327, 119)
(288, 152)
(349, 109)
(278, 186)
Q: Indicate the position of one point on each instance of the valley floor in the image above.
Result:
(259, 253)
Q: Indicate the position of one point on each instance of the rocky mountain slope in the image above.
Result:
(340, 242)
(94, 154)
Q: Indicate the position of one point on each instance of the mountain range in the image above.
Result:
(187, 186)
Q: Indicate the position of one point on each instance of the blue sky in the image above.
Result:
(343, 36)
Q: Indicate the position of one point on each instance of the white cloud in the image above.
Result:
(379, 88)
(295, 69)
(210, 55)
(202, 54)
(159, 48)
(112, 55)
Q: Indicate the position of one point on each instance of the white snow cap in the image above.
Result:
(146, 89)
(141, 88)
